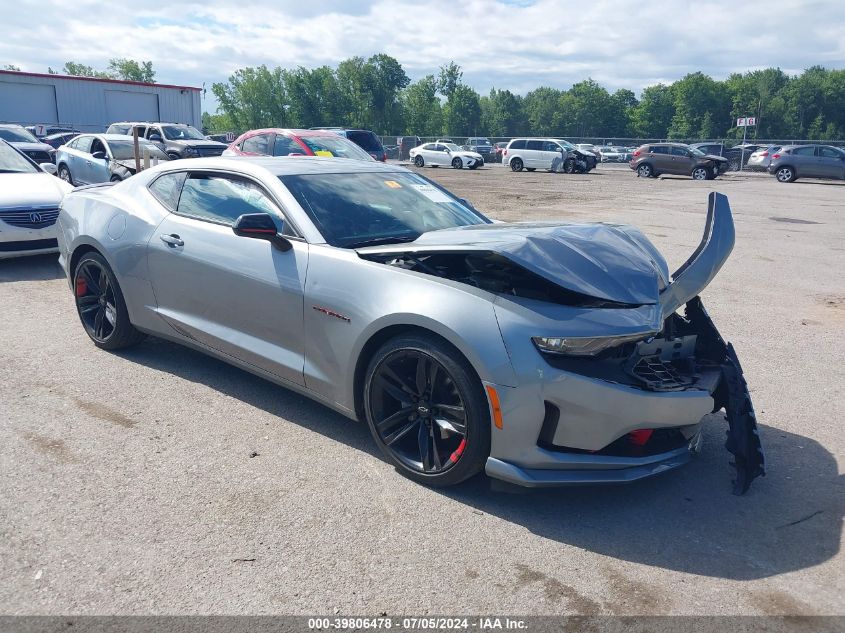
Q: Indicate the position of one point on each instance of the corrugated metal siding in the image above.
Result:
(82, 104)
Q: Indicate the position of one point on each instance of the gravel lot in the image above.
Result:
(131, 483)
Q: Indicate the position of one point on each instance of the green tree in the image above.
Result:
(81, 70)
(462, 112)
(695, 95)
(253, 98)
(449, 78)
(422, 109)
(652, 116)
(501, 114)
(216, 123)
(540, 106)
(131, 70)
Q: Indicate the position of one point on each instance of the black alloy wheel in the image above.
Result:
(100, 304)
(426, 411)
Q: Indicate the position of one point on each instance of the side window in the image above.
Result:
(679, 151)
(428, 147)
(659, 149)
(83, 144)
(167, 188)
(97, 146)
(548, 146)
(222, 199)
(258, 144)
(284, 146)
(830, 152)
(805, 151)
(520, 144)
(439, 148)
(535, 145)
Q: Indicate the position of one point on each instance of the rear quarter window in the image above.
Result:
(520, 144)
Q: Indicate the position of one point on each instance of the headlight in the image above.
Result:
(190, 151)
(584, 346)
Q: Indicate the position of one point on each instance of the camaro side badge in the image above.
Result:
(332, 313)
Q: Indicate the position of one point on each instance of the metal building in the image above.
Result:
(91, 105)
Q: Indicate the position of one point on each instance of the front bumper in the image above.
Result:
(571, 424)
(582, 469)
(19, 241)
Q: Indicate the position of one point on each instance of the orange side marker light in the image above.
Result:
(494, 404)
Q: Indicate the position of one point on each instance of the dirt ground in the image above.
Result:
(157, 480)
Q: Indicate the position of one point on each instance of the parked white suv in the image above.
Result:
(534, 153)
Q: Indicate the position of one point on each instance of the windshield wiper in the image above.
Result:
(376, 241)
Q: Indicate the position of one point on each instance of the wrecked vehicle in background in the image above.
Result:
(542, 353)
(91, 158)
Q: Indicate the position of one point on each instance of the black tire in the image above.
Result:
(100, 304)
(457, 163)
(516, 164)
(404, 366)
(645, 171)
(786, 173)
(569, 166)
(701, 173)
(64, 174)
(419, 161)
(530, 168)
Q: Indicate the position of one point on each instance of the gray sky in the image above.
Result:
(513, 44)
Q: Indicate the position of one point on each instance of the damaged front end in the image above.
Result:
(597, 302)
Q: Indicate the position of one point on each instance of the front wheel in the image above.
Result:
(785, 174)
(426, 410)
(516, 164)
(64, 174)
(457, 163)
(419, 161)
(700, 173)
(100, 304)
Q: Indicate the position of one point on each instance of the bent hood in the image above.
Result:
(607, 261)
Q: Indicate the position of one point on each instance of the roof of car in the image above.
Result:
(14, 125)
(288, 165)
(293, 131)
(115, 137)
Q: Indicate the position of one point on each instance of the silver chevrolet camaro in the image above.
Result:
(544, 353)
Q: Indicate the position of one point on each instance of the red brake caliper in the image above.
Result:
(81, 287)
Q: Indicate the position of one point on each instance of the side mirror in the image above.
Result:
(98, 155)
(261, 226)
(155, 138)
(49, 168)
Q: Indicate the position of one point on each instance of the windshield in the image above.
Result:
(11, 162)
(565, 144)
(17, 135)
(125, 150)
(182, 133)
(354, 210)
(335, 146)
(452, 147)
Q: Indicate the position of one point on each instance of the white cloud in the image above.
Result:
(513, 44)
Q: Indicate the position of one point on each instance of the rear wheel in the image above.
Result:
(701, 173)
(64, 174)
(418, 161)
(457, 163)
(426, 410)
(785, 174)
(645, 171)
(100, 304)
(516, 164)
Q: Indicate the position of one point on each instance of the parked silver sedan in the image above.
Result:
(543, 353)
(93, 158)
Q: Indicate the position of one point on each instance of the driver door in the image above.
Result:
(238, 295)
(440, 156)
(97, 169)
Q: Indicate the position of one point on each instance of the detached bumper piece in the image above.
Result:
(732, 394)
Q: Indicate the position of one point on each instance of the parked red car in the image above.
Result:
(284, 142)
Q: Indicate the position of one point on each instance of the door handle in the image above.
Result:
(172, 240)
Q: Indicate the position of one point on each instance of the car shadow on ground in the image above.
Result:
(686, 520)
(31, 268)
